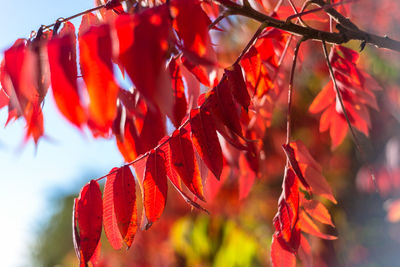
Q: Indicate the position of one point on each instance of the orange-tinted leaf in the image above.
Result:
(89, 216)
(307, 225)
(180, 104)
(97, 71)
(125, 204)
(317, 211)
(184, 161)
(280, 257)
(154, 187)
(109, 219)
(205, 139)
(63, 70)
(356, 90)
(143, 55)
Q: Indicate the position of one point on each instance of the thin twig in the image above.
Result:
(324, 7)
(290, 91)
(345, 34)
(296, 14)
(353, 134)
(252, 40)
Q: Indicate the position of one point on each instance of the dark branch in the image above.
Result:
(347, 30)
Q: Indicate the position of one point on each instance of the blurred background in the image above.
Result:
(38, 185)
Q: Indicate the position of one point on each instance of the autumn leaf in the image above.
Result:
(180, 103)
(97, 71)
(184, 161)
(144, 55)
(154, 187)
(88, 216)
(205, 140)
(63, 69)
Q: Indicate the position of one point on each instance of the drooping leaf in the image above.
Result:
(109, 218)
(237, 85)
(184, 161)
(63, 70)
(194, 35)
(125, 204)
(317, 211)
(280, 257)
(311, 171)
(95, 48)
(153, 128)
(154, 187)
(205, 140)
(223, 108)
(356, 91)
(143, 55)
(286, 220)
(88, 220)
(180, 103)
(307, 225)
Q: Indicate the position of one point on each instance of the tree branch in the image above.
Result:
(347, 31)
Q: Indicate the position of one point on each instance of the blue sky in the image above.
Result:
(27, 177)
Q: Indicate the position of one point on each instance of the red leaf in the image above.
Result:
(153, 128)
(180, 104)
(63, 69)
(130, 145)
(88, 218)
(143, 55)
(280, 257)
(97, 71)
(154, 187)
(223, 108)
(289, 151)
(4, 99)
(34, 122)
(109, 218)
(311, 171)
(125, 204)
(194, 35)
(87, 21)
(286, 219)
(173, 176)
(205, 139)
(199, 71)
(237, 85)
(184, 161)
